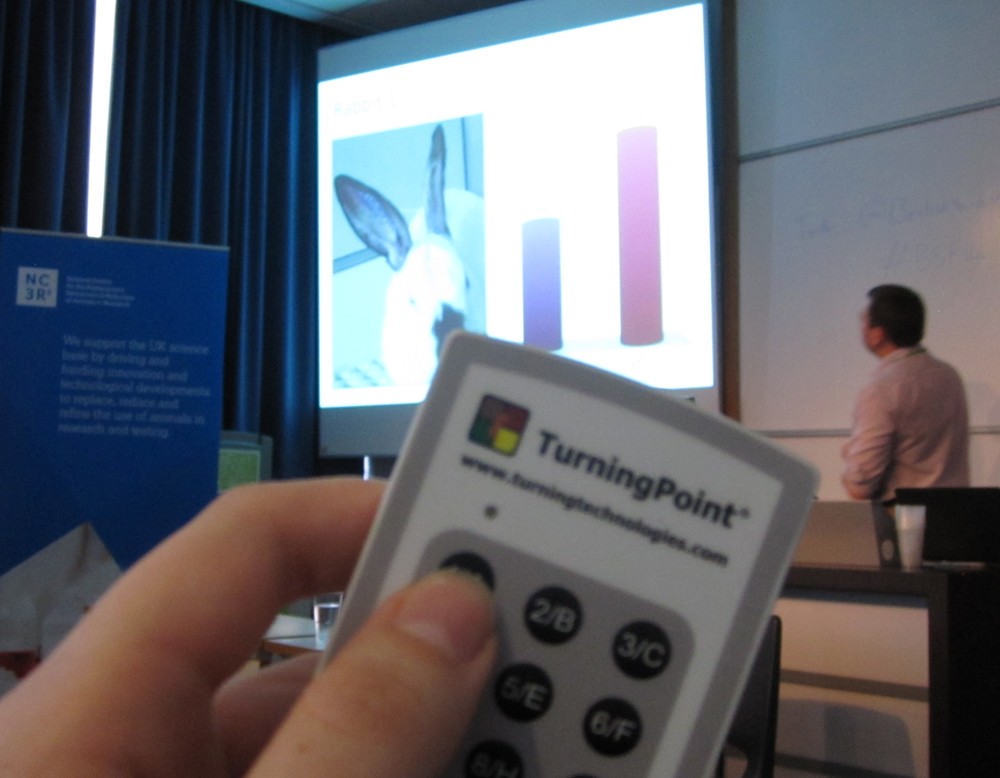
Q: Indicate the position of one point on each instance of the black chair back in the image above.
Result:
(755, 725)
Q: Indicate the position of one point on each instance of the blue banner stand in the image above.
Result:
(111, 356)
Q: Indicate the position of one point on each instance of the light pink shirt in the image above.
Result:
(911, 427)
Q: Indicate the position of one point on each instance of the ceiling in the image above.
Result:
(364, 17)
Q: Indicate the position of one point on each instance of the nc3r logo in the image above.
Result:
(38, 286)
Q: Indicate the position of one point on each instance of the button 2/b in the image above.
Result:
(553, 615)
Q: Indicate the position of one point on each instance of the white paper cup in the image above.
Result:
(910, 520)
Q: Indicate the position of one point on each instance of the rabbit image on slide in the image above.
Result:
(436, 285)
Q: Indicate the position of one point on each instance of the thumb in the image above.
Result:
(398, 697)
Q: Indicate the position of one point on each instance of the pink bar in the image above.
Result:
(639, 237)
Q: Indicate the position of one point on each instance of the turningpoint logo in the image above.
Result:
(499, 425)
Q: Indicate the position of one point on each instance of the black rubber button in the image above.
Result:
(470, 563)
(553, 615)
(641, 650)
(612, 727)
(523, 692)
(494, 759)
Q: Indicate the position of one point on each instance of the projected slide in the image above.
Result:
(552, 190)
(427, 275)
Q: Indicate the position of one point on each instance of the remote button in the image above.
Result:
(612, 727)
(641, 650)
(523, 692)
(470, 563)
(493, 759)
(553, 615)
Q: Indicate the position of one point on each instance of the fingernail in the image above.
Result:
(451, 612)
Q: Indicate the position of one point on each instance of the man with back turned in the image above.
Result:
(911, 422)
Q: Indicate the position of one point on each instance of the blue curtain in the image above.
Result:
(46, 53)
(213, 141)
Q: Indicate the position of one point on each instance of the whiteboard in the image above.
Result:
(919, 205)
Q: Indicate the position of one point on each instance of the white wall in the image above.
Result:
(868, 147)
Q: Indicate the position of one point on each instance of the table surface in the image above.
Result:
(964, 651)
(290, 627)
(289, 636)
(864, 578)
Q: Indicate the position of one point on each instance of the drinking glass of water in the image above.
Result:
(325, 609)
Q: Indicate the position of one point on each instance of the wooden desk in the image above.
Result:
(963, 609)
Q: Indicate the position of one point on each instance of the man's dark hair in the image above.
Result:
(899, 311)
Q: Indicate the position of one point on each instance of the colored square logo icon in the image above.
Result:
(499, 425)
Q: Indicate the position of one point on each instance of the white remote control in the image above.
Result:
(635, 546)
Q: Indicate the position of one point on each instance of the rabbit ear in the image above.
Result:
(437, 223)
(376, 221)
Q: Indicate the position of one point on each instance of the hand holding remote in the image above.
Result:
(634, 544)
(140, 687)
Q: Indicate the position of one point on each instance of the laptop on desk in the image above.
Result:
(838, 532)
(962, 525)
